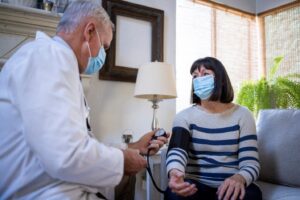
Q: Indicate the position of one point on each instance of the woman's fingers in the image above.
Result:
(190, 190)
(222, 189)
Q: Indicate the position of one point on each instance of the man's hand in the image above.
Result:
(145, 143)
(232, 188)
(178, 186)
(133, 161)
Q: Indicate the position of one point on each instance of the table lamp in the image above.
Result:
(155, 82)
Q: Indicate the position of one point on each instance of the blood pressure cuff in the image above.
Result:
(180, 139)
(177, 155)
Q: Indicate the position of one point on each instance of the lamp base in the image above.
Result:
(155, 106)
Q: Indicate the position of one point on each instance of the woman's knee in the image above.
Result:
(253, 192)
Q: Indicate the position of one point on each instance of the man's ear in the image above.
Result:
(89, 31)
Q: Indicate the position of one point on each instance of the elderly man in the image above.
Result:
(46, 149)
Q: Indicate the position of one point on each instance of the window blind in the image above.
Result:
(207, 30)
(236, 46)
(282, 38)
(193, 41)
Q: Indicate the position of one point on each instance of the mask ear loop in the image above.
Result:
(99, 39)
(89, 44)
(89, 48)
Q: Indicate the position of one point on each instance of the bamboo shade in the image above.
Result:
(282, 38)
(236, 46)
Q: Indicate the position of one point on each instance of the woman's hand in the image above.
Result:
(232, 188)
(178, 186)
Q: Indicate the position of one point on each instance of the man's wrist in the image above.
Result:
(132, 145)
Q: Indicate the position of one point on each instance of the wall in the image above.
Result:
(257, 6)
(263, 5)
(113, 107)
(245, 5)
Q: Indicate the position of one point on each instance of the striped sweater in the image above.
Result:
(210, 147)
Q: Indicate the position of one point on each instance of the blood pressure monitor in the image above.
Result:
(159, 133)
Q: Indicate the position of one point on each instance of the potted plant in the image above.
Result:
(274, 92)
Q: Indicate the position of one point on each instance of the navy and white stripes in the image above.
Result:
(220, 145)
(177, 158)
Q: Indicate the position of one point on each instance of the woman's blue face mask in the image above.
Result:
(95, 63)
(204, 86)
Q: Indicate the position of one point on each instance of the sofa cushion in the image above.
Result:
(278, 192)
(278, 134)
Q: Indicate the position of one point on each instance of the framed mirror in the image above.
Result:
(137, 39)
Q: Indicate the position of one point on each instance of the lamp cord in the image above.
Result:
(151, 176)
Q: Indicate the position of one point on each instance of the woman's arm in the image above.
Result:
(177, 158)
(248, 154)
(234, 186)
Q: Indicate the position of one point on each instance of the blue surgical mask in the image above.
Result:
(204, 86)
(95, 63)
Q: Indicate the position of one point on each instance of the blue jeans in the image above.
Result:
(208, 193)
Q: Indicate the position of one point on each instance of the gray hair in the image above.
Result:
(79, 10)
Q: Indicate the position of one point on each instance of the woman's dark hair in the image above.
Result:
(223, 91)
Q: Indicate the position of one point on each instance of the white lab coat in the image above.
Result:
(46, 151)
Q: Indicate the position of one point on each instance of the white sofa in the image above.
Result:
(278, 133)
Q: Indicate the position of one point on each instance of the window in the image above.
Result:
(204, 29)
(193, 41)
(281, 28)
(236, 46)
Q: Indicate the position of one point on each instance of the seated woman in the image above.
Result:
(213, 149)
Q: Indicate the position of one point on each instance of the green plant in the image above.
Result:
(275, 92)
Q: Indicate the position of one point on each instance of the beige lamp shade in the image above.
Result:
(155, 80)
